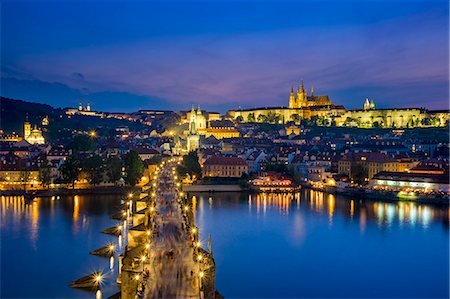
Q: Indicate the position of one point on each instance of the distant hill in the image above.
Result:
(13, 114)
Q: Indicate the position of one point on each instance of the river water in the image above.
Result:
(308, 244)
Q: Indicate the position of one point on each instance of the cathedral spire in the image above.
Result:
(312, 91)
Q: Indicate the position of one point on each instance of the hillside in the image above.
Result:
(15, 112)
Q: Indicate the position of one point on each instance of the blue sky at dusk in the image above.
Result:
(124, 56)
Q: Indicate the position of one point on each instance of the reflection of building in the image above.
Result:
(231, 167)
(324, 112)
(33, 136)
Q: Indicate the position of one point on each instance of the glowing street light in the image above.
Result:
(201, 274)
(199, 257)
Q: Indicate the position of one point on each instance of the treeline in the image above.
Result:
(95, 169)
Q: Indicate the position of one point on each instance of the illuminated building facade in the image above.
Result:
(230, 167)
(304, 106)
(32, 135)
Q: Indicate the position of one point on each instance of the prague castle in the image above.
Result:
(323, 111)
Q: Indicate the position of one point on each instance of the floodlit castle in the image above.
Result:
(321, 110)
(301, 98)
(32, 135)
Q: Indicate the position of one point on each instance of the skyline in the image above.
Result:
(225, 55)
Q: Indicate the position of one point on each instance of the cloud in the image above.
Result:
(77, 75)
(391, 60)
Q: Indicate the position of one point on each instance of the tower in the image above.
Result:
(88, 107)
(302, 98)
(366, 104)
(292, 103)
(26, 129)
(372, 104)
(193, 122)
(312, 91)
(80, 107)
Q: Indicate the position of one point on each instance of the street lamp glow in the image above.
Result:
(111, 247)
(194, 230)
(137, 277)
(143, 258)
(147, 246)
(197, 244)
(181, 193)
(186, 208)
(199, 257)
(98, 278)
(201, 274)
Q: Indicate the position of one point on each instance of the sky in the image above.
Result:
(125, 56)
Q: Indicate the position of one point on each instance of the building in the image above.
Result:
(326, 113)
(17, 173)
(146, 153)
(301, 99)
(193, 138)
(415, 182)
(32, 136)
(83, 111)
(229, 167)
(366, 165)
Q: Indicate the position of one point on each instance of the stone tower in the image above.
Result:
(193, 139)
(302, 97)
(292, 103)
(26, 129)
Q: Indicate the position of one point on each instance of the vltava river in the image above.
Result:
(305, 245)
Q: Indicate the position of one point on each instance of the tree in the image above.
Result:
(70, 170)
(239, 119)
(262, 118)
(114, 169)
(44, 175)
(273, 118)
(94, 168)
(295, 118)
(190, 165)
(82, 143)
(134, 168)
(251, 117)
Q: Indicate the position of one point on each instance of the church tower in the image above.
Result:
(302, 97)
(88, 107)
(193, 139)
(366, 104)
(193, 122)
(292, 103)
(26, 129)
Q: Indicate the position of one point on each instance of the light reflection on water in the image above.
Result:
(347, 245)
(307, 234)
(47, 240)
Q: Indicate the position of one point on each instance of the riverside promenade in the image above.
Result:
(163, 257)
